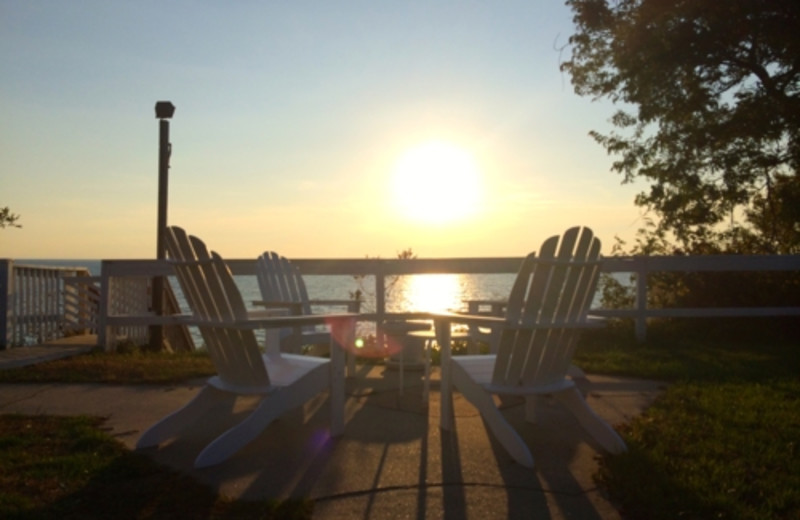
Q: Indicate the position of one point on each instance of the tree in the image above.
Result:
(710, 117)
(8, 219)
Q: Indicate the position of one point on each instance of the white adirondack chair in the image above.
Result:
(282, 286)
(284, 381)
(546, 310)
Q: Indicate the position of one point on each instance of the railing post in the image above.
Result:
(641, 298)
(380, 306)
(104, 339)
(6, 291)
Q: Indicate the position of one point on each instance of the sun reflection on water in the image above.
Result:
(429, 293)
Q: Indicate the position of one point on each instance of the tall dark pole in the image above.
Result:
(164, 111)
(163, 185)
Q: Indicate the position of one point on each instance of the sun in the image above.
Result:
(436, 182)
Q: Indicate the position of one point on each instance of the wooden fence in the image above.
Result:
(38, 303)
(42, 302)
(643, 266)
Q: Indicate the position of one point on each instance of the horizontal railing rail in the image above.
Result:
(42, 302)
(644, 266)
(380, 269)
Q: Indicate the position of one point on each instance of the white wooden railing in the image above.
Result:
(117, 303)
(642, 267)
(42, 303)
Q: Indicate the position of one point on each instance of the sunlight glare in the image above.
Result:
(436, 182)
(432, 292)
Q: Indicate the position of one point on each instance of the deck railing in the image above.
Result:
(381, 269)
(117, 303)
(39, 303)
(643, 266)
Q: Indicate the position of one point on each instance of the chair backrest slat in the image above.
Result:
(554, 287)
(280, 280)
(558, 307)
(215, 300)
(583, 293)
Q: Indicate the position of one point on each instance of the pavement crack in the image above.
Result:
(443, 485)
(34, 393)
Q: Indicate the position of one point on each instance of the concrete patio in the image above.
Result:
(393, 460)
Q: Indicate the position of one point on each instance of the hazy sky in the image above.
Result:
(292, 119)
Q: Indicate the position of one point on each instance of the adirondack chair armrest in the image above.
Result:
(589, 323)
(596, 322)
(352, 305)
(496, 307)
(480, 320)
(267, 313)
(129, 320)
(487, 302)
(296, 308)
(288, 321)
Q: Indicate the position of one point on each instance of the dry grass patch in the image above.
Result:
(116, 368)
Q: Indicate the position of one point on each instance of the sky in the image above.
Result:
(312, 128)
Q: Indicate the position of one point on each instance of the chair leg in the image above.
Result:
(236, 438)
(531, 408)
(483, 401)
(401, 385)
(351, 364)
(180, 419)
(576, 372)
(599, 429)
(426, 384)
(337, 393)
(446, 417)
(271, 407)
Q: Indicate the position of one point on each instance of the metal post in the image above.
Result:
(163, 185)
(164, 111)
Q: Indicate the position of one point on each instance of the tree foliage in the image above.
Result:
(7, 218)
(710, 111)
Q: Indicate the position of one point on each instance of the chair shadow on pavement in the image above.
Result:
(557, 485)
(394, 458)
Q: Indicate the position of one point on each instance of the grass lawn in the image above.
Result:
(67, 467)
(721, 442)
(129, 368)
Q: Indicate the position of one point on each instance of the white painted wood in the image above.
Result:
(6, 292)
(175, 423)
(482, 400)
(36, 302)
(18, 318)
(427, 339)
(446, 419)
(282, 286)
(546, 309)
(600, 430)
(284, 382)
